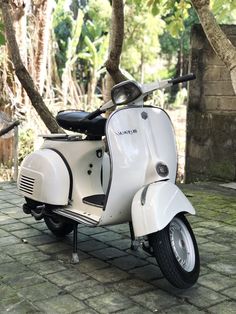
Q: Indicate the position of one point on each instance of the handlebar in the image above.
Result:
(144, 90)
(9, 128)
(183, 78)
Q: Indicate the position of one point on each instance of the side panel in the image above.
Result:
(44, 177)
(153, 210)
(138, 138)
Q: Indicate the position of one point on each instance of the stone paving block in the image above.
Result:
(11, 268)
(156, 300)
(4, 233)
(128, 262)
(91, 264)
(139, 253)
(91, 230)
(222, 237)
(136, 310)
(24, 279)
(108, 253)
(132, 286)
(66, 255)
(26, 233)
(210, 224)
(6, 291)
(87, 310)
(66, 277)
(6, 305)
(15, 226)
(122, 244)
(203, 231)
(147, 273)
(40, 226)
(200, 296)
(54, 247)
(223, 308)
(32, 257)
(91, 245)
(40, 291)
(18, 214)
(121, 228)
(5, 220)
(41, 239)
(6, 241)
(47, 267)
(69, 238)
(61, 304)
(216, 281)
(22, 307)
(4, 205)
(5, 259)
(183, 309)
(226, 268)
(231, 292)
(201, 240)
(84, 293)
(14, 199)
(29, 220)
(80, 285)
(213, 247)
(46, 279)
(110, 302)
(107, 236)
(19, 249)
(109, 274)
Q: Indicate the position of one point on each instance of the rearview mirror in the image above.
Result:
(125, 92)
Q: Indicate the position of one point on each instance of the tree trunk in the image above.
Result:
(116, 41)
(115, 48)
(43, 23)
(23, 74)
(218, 40)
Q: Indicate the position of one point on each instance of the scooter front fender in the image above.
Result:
(155, 205)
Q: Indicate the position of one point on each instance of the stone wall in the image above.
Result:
(211, 114)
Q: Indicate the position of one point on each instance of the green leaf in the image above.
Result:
(2, 39)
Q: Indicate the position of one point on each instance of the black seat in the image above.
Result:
(75, 120)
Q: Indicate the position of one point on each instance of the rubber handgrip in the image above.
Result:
(184, 78)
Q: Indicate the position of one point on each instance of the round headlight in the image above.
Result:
(162, 169)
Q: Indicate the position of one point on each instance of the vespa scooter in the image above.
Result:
(121, 170)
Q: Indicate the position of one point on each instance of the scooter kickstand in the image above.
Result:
(75, 256)
(134, 243)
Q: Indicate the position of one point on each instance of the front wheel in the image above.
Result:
(175, 249)
(57, 226)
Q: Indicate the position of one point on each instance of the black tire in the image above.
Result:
(57, 226)
(169, 245)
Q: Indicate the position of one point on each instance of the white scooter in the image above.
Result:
(121, 170)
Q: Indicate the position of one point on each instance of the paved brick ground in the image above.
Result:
(36, 275)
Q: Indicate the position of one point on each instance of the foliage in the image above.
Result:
(82, 41)
(2, 37)
(26, 144)
(141, 44)
(170, 45)
(224, 11)
(62, 25)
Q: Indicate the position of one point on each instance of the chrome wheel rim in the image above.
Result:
(182, 244)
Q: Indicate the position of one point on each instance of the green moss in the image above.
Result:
(222, 170)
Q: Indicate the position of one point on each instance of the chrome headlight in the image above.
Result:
(125, 92)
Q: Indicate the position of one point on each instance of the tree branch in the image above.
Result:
(116, 41)
(222, 46)
(22, 73)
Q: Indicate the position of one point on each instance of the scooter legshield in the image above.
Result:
(44, 178)
(155, 205)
